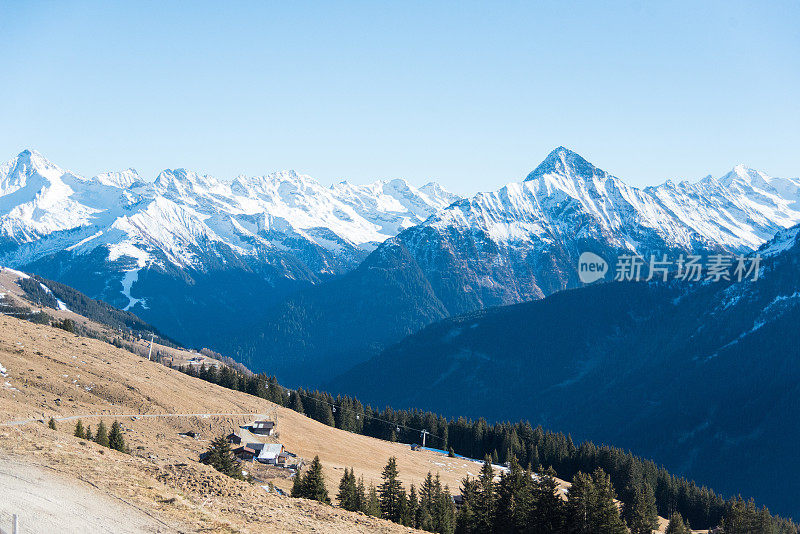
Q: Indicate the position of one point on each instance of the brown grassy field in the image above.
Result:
(53, 373)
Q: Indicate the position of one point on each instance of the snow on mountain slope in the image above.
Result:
(181, 212)
(566, 195)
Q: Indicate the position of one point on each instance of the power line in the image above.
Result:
(398, 426)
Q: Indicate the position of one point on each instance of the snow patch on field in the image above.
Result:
(61, 305)
(15, 272)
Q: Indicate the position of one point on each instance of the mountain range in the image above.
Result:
(188, 251)
(703, 376)
(306, 281)
(467, 306)
(513, 245)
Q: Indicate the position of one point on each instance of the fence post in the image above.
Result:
(14, 524)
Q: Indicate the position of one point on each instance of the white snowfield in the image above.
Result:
(50, 209)
(186, 219)
(568, 196)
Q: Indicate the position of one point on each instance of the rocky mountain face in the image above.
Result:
(703, 377)
(516, 244)
(190, 252)
(305, 280)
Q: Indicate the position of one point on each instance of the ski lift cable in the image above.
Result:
(396, 425)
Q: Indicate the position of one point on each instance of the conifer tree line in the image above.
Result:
(111, 438)
(429, 507)
(636, 479)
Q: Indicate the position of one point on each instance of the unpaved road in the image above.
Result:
(137, 415)
(45, 502)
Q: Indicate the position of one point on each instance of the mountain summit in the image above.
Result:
(565, 162)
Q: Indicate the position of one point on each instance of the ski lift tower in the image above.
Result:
(149, 354)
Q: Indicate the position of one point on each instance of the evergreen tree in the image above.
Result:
(297, 485)
(642, 513)
(296, 403)
(115, 439)
(373, 507)
(466, 520)
(52, 424)
(444, 513)
(79, 431)
(677, 525)
(87, 434)
(743, 517)
(220, 456)
(484, 508)
(312, 483)
(413, 508)
(348, 492)
(606, 513)
(101, 438)
(514, 498)
(548, 508)
(327, 416)
(581, 504)
(361, 495)
(390, 491)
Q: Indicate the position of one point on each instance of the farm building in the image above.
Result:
(263, 428)
(272, 453)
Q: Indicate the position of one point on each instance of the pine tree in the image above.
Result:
(87, 434)
(444, 514)
(361, 495)
(548, 508)
(581, 504)
(514, 498)
(373, 507)
(484, 508)
(677, 525)
(327, 416)
(220, 456)
(297, 485)
(466, 520)
(413, 508)
(348, 491)
(101, 437)
(642, 513)
(79, 431)
(296, 403)
(312, 483)
(51, 424)
(606, 514)
(115, 439)
(390, 492)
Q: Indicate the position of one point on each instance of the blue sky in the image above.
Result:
(473, 95)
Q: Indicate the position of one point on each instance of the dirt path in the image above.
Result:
(136, 415)
(46, 502)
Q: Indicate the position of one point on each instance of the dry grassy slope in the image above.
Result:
(55, 373)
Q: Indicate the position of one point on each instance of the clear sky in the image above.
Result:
(473, 95)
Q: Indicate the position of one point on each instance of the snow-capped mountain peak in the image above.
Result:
(121, 180)
(44, 208)
(564, 162)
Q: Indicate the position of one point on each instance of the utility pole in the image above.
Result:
(149, 354)
(424, 433)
